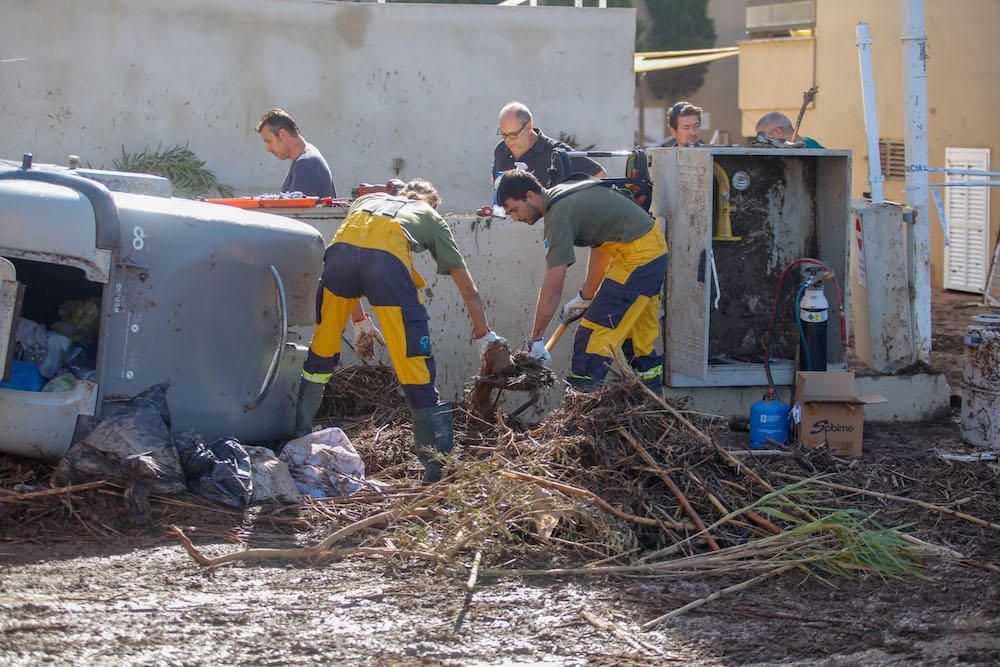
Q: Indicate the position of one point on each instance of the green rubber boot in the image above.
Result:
(582, 384)
(310, 397)
(656, 384)
(433, 434)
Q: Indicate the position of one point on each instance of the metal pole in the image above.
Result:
(875, 178)
(915, 110)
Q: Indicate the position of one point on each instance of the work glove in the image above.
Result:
(310, 397)
(574, 306)
(536, 350)
(487, 340)
(365, 336)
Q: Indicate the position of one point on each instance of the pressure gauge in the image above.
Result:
(741, 180)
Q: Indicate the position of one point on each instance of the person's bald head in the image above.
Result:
(515, 128)
(777, 126)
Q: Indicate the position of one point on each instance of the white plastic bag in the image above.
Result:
(324, 464)
(271, 480)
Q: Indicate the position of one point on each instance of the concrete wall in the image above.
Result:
(961, 86)
(366, 82)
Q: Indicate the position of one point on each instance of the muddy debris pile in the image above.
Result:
(617, 482)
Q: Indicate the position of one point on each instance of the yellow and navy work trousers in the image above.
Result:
(370, 256)
(625, 311)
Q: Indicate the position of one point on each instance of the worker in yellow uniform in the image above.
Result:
(620, 295)
(371, 257)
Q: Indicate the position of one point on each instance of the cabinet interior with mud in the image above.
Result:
(775, 220)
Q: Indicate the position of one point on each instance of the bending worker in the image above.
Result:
(371, 256)
(621, 292)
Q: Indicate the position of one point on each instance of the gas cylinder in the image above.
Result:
(814, 311)
(768, 419)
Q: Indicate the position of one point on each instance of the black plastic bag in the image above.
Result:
(220, 471)
(131, 446)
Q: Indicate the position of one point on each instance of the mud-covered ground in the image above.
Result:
(134, 596)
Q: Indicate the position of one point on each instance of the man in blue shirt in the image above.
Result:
(308, 173)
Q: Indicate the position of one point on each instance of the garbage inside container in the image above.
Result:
(24, 376)
(79, 320)
(59, 383)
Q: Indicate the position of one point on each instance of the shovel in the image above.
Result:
(551, 343)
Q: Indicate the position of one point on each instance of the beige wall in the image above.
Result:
(366, 82)
(718, 92)
(962, 74)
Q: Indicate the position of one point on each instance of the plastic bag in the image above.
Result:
(79, 361)
(24, 376)
(220, 471)
(131, 445)
(272, 483)
(324, 464)
(60, 383)
(33, 341)
(82, 318)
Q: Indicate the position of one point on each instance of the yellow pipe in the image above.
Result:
(723, 208)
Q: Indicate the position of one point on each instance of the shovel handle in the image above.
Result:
(556, 335)
(561, 329)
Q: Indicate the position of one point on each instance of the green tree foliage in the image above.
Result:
(677, 25)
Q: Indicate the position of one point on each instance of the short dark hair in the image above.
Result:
(682, 109)
(516, 184)
(278, 119)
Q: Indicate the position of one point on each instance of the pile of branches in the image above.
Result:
(618, 482)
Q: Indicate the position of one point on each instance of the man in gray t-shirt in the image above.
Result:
(620, 296)
(308, 173)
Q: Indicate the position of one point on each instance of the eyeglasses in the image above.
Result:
(512, 135)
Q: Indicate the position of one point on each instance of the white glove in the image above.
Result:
(574, 306)
(365, 336)
(487, 340)
(537, 350)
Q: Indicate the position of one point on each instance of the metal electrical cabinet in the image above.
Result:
(197, 295)
(735, 217)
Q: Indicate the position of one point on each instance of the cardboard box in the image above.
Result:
(828, 410)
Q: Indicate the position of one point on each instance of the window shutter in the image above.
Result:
(967, 210)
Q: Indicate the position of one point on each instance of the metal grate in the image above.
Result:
(892, 155)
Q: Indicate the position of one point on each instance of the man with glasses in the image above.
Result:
(522, 146)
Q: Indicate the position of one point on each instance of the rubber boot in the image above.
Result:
(583, 384)
(655, 384)
(307, 405)
(433, 434)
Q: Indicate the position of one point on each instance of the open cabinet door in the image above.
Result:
(10, 307)
(686, 203)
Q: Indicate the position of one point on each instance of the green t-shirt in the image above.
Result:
(426, 230)
(588, 215)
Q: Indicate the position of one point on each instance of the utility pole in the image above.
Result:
(915, 112)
